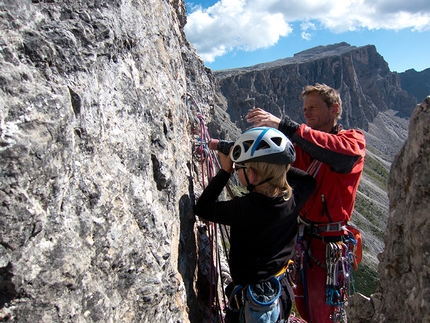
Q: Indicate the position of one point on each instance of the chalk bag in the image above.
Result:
(262, 301)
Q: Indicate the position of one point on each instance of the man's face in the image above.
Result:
(318, 114)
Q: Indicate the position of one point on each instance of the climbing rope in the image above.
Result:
(209, 164)
(294, 319)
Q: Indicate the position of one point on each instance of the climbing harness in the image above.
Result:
(341, 247)
(343, 252)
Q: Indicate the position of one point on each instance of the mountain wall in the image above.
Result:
(360, 74)
(96, 163)
(416, 83)
(405, 263)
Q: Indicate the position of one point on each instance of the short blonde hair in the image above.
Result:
(329, 95)
(278, 185)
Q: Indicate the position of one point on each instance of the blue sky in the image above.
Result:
(237, 33)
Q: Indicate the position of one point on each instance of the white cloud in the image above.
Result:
(306, 36)
(251, 24)
(307, 25)
(233, 24)
(304, 26)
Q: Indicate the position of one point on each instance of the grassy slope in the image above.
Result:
(370, 216)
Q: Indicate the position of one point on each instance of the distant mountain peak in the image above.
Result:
(313, 53)
(333, 49)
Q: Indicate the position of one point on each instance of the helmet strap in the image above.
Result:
(250, 187)
(264, 181)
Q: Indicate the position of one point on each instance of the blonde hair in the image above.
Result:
(278, 185)
(329, 95)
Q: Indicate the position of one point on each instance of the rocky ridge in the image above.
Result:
(416, 83)
(360, 73)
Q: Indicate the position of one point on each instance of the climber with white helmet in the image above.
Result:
(263, 222)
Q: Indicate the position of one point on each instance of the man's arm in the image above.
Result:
(340, 151)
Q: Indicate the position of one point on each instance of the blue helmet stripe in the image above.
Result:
(257, 141)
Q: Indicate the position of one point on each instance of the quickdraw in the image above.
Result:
(339, 257)
(337, 273)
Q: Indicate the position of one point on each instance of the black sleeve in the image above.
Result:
(302, 183)
(295, 174)
(338, 162)
(211, 192)
(209, 208)
(288, 127)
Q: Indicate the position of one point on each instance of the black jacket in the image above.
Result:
(263, 229)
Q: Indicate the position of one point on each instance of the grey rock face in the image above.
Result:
(96, 180)
(416, 83)
(404, 263)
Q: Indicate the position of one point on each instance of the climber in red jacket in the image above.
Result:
(335, 157)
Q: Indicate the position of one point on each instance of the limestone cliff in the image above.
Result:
(405, 262)
(406, 259)
(360, 74)
(96, 167)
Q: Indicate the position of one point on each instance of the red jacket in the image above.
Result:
(341, 154)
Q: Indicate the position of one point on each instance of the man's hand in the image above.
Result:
(262, 118)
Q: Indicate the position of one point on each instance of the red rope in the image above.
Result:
(209, 162)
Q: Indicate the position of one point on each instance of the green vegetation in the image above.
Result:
(373, 213)
(376, 171)
(374, 222)
(365, 280)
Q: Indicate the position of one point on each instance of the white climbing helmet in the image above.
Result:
(263, 144)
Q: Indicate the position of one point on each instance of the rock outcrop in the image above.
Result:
(96, 167)
(405, 262)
